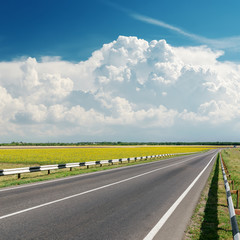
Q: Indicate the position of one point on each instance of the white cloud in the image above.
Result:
(126, 89)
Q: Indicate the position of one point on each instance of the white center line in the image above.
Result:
(92, 190)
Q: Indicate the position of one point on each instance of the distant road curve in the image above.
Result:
(123, 203)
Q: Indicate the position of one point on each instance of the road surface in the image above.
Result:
(146, 201)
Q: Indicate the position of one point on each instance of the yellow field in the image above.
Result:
(66, 155)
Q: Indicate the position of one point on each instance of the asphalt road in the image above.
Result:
(123, 203)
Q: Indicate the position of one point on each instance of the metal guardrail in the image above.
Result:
(19, 171)
(235, 230)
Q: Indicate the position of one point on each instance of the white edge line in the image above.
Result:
(92, 190)
(82, 175)
(165, 217)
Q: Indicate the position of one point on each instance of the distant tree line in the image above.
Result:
(118, 143)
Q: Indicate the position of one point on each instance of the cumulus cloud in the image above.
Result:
(129, 86)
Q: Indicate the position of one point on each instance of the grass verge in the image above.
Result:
(211, 219)
(231, 158)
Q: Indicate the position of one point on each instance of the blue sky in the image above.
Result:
(101, 70)
(74, 29)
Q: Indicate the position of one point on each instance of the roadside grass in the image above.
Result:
(231, 158)
(11, 180)
(211, 219)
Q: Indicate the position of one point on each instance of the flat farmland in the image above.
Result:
(16, 157)
(41, 156)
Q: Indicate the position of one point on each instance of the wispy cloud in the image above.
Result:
(159, 23)
(223, 43)
(230, 43)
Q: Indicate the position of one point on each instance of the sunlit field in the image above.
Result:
(66, 155)
(15, 158)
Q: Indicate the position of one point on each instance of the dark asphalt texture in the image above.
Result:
(126, 210)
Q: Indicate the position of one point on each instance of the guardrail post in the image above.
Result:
(236, 192)
(237, 205)
(237, 210)
(237, 199)
(232, 183)
(48, 172)
(225, 168)
(19, 175)
(70, 169)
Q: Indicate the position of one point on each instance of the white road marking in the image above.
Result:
(92, 190)
(165, 217)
